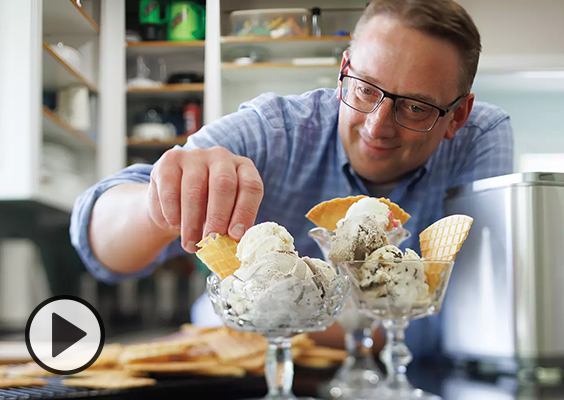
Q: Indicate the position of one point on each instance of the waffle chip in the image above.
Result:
(443, 239)
(27, 370)
(249, 363)
(302, 340)
(173, 367)
(154, 351)
(109, 382)
(108, 357)
(6, 383)
(325, 352)
(234, 345)
(326, 214)
(315, 362)
(396, 210)
(218, 253)
(433, 275)
(222, 370)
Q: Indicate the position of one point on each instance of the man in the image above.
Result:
(401, 124)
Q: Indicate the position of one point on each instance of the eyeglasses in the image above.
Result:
(412, 114)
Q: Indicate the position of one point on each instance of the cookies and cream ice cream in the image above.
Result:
(356, 237)
(381, 270)
(389, 272)
(275, 287)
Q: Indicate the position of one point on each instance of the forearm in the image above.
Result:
(123, 237)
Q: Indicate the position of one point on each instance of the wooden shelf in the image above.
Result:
(66, 17)
(273, 65)
(57, 73)
(179, 87)
(194, 48)
(58, 130)
(283, 49)
(173, 91)
(140, 143)
(166, 43)
(279, 72)
(263, 39)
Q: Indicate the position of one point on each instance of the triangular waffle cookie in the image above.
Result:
(328, 213)
(443, 239)
(218, 253)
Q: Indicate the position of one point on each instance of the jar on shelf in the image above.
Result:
(192, 116)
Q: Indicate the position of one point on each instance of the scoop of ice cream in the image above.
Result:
(320, 267)
(357, 237)
(370, 205)
(262, 239)
(278, 289)
(274, 265)
(389, 272)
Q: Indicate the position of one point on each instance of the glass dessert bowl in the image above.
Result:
(398, 291)
(289, 306)
(359, 376)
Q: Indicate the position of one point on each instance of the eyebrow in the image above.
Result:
(415, 96)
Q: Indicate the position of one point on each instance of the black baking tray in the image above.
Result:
(306, 382)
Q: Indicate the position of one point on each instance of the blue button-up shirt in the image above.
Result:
(295, 145)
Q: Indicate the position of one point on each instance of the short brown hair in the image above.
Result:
(443, 19)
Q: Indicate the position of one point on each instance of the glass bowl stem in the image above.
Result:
(395, 354)
(279, 369)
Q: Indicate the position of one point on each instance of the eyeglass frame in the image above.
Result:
(394, 97)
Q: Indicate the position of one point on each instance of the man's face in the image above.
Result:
(406, 62)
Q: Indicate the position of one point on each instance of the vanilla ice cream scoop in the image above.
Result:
(369, 205)
(262, 239)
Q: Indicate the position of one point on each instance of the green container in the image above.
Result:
(150, 12)
(187, 21)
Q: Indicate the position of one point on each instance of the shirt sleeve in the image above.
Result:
(243, 133)
(80, 222)
(489, 153)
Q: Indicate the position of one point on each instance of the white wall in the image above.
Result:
(518, 26)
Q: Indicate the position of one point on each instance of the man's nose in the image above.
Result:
(381, 122)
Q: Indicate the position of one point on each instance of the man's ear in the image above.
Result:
(460, 116)
(344, 60)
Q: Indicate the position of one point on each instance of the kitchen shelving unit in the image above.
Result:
(36, 69)
(179, 56)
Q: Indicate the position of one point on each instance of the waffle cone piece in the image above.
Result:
(218, 253)
(442, 241)
(326, 214)
(398, 212)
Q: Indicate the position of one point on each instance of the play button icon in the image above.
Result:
(64, 335)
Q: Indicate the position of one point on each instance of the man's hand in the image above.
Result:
(200, 191)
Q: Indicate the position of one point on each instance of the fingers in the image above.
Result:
(194, 189)
(212, 186)
(222, 192)
(164, 195)
(249, 197)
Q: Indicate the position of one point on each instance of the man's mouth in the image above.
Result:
(377, 148)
